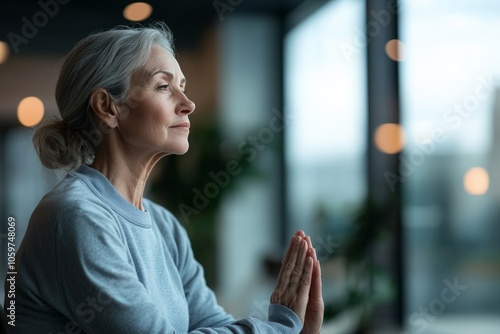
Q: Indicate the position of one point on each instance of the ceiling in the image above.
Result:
(71, 20)
(35, 55)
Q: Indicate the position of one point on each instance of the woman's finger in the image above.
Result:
(307, 276)
(315, 294)
(300, 233)
(288, 262)
(314, 254)
(309, 242)
(302, 297)
(298, 268)
(289, 250)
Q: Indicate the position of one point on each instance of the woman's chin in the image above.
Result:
(181, 149)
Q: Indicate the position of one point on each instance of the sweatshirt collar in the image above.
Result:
(107, 193)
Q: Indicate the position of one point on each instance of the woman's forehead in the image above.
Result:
(160, 62)
(161, 59)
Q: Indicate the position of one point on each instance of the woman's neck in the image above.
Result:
(127, 171)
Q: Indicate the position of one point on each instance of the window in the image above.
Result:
(325, 141)
(451, 107)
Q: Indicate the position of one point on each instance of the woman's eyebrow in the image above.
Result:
(168, 74)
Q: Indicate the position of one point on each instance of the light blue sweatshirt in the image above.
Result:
(91, 262)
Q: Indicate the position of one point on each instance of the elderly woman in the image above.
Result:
(98, 257)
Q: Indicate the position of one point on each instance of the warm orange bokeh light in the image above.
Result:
(137, 11)
(476, 181)
(389, 138)
(30, 111)
(395, 49)
(4, 52)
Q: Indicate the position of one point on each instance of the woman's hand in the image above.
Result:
(294, 281)
(315, 306)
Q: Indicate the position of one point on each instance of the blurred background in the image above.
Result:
(370, 124)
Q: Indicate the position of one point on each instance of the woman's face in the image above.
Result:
(154, 118)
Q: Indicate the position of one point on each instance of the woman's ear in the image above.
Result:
(104, 107)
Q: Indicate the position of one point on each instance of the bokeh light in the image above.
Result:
(30, 111)
(4, 52)
(476, 181)
(137, 11)
(395, 49)
(389, 138)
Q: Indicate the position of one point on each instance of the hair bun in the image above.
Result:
(60, 147)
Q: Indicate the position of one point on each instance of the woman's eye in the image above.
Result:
(163, 87)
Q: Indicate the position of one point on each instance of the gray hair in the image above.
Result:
(102, 60)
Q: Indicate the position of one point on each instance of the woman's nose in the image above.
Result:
(186, 106)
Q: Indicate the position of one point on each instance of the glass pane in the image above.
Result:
(451, 106)
(325, 105)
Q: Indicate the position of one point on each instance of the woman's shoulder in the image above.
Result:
(70, 193)
(69, 201)
(67, 212)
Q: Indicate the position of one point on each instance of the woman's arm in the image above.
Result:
(288, 304)
(99, 290)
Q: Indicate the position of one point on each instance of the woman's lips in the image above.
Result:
(183, 125)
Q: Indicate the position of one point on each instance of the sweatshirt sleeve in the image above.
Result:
(281, 320)
(99, 291)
